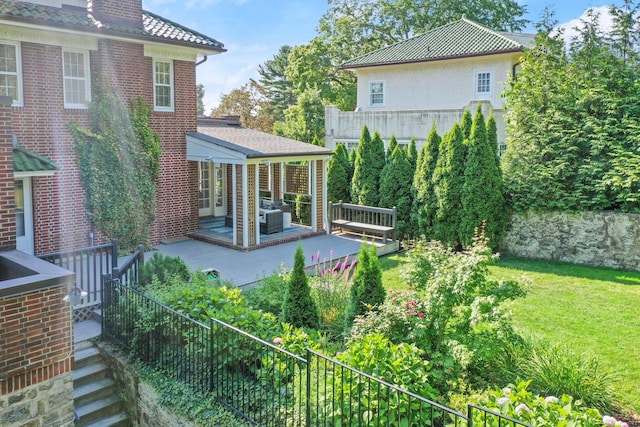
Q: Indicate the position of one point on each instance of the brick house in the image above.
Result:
(49, 53)
(405, 88)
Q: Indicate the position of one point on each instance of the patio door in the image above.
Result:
(24, 216)
(212, 189)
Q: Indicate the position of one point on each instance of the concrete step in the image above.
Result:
(86, 356)
(93, 391)
(88, 374)
(97, 410)
(97, 314)
(118, 420)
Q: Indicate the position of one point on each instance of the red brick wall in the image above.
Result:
(117, 10)
(35, 339)
(60, 222)
(7, 193)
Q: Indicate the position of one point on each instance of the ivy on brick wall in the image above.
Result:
(119, 162)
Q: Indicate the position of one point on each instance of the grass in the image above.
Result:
(591, 310)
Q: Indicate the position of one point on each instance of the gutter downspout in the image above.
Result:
(202, 61)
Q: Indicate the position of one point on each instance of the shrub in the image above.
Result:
(269, 293)
(354, 400)
(549, 411)
(367, 291)
(298, 308)
(556, 369)
(163, 267)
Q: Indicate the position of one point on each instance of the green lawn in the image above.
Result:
(592, 310)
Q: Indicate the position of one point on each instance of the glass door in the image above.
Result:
(24, 216)
(220, 190)
(204, 189)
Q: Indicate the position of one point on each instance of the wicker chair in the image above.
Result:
(271, 221)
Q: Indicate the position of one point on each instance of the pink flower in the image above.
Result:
(411, 311)
(522, 408)
(623, 424)
(277, 341)
(409, 288)
(551, 399)
(506, 391)
(608, 421)
(503, 400)
(421, 314)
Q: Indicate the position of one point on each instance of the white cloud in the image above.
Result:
(605, 22)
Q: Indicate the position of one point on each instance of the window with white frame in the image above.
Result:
(163, 85)
(76, 78)
(483, 84)
(376, 93)
(10, 72)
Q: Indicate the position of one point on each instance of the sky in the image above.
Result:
(253, 31)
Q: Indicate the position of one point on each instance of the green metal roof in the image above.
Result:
(459, 39)
(27, 161)
(154, 27)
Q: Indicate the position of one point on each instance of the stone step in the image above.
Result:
(93, 391)
(97, 410)
(89, 373)
(118, 420)
(86, 356)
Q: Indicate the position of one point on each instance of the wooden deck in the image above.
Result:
(243, 269)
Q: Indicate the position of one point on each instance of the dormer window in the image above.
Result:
(376, 93)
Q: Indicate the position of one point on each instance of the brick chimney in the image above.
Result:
(127, 12)
(7, 185)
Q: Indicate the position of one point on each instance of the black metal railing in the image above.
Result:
(263, 383)
(89, 264)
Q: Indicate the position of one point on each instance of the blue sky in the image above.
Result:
(253, 31)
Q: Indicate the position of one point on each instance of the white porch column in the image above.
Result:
(234, 202)
(245, 207)
(256, 201)
(314, 195)
(325, 222)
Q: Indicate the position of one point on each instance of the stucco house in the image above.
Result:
(431, 78)
(51, 51)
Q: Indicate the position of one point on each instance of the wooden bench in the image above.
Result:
(363, 219)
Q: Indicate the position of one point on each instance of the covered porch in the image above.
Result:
(256, 189)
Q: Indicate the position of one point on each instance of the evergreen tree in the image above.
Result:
(367, 291)
(492, 137)
(393, 143)
(482, 199)
(370, 160)
(413, 153)
(338, 180)
(298, 308)
(425, 202)
(395, 189)
(466, 123)
(448, 180)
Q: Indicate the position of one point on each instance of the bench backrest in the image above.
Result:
(364, 214)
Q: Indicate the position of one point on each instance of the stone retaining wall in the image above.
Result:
(140, 399)
(47, 403)
(603, 239)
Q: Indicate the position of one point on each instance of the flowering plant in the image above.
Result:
(75, 296)
(519, 403)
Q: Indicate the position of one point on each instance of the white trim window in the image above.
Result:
(163, 85)
(483, 84)
(76, 78)
(11, 72)
(376, 93)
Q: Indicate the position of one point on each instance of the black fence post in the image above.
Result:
(105, 297)
(308, 406)
(469, 416)
(114, 253)
(211, 357)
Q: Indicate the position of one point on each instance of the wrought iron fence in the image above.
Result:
(263, 383)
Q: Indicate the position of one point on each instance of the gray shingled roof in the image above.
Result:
(458, 39)
(253, 143)
(154, 27)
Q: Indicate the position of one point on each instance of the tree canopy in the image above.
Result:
(251, 103)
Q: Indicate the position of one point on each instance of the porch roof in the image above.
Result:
(236, 144)
(28, 163)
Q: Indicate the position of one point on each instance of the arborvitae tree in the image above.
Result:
(412, 152)
(492, 138)
(482, 199)
(393, 143)
(365, 185)
(448, 180)
(367, 291)
(395, 189)
(425, 202)
(298, 308)
(338, 182)
(466, 123)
